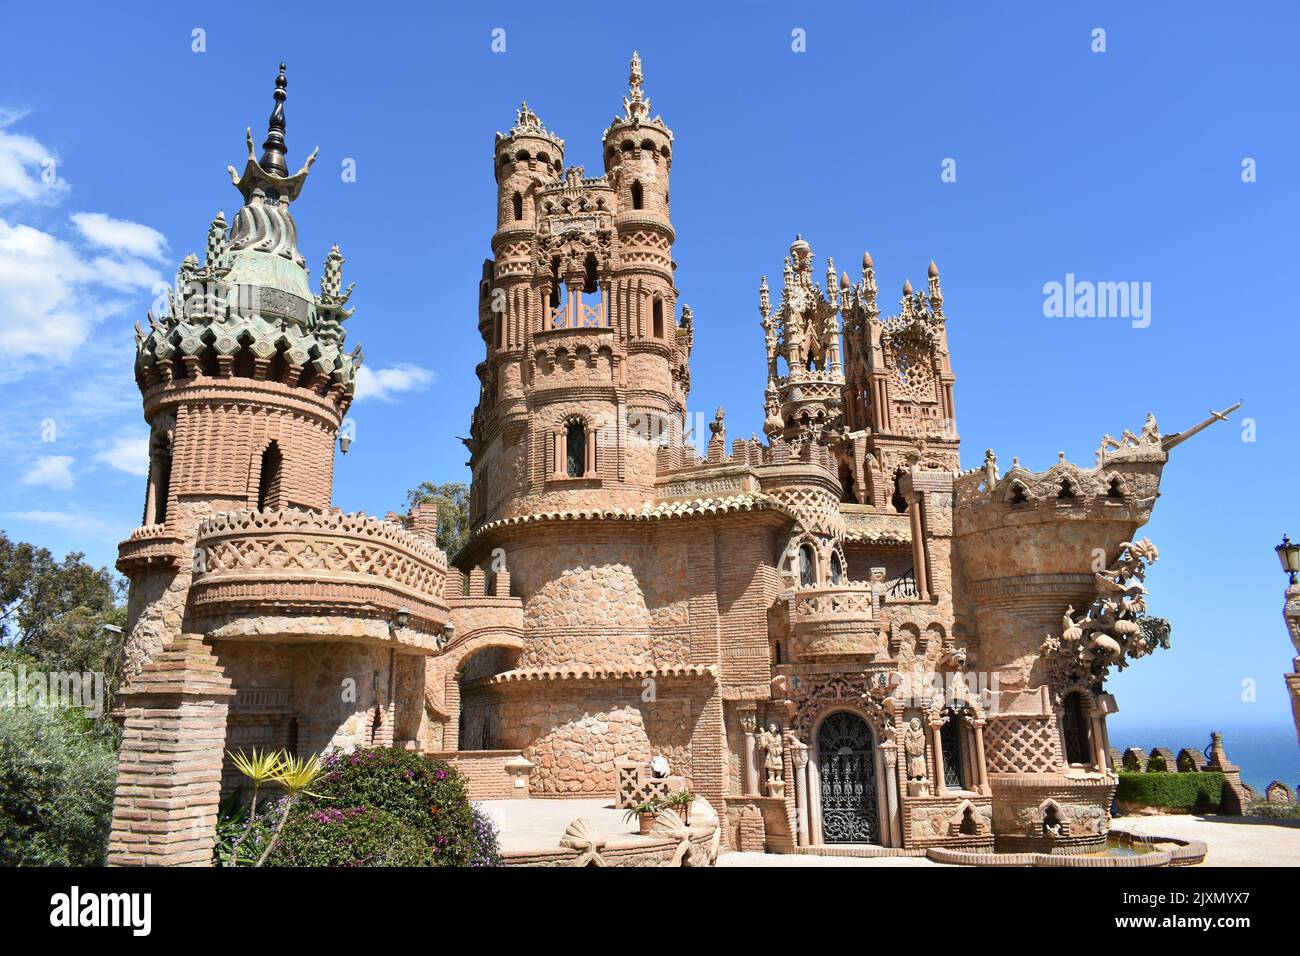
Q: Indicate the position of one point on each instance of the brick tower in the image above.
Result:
(244, 383)
(586, 366)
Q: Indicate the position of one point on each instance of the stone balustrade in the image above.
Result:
(833, 621)
(320, 563)
(150, 544)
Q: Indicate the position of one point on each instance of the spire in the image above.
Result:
(636, 105)
(273, 150)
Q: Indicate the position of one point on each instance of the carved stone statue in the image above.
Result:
(914, 747)
(773, 762)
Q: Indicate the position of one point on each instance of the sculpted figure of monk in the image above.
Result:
(914, 746)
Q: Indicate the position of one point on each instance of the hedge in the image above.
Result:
(1200, 792)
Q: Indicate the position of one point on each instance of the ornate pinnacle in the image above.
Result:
(274, 149)
(216, 239)
(636, 105)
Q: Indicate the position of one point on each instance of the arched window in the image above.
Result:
(589, 274)
(898, 500)
(807, 577)
(1066, 489)
(837, 568)
(575, 449)
(638, 196)
(657, 318)
(517, 201)
(160, 479)
(1018, 495)
(1115, 490)
(268, 485)
(1074, 729)
(848, 493)
(950, 739)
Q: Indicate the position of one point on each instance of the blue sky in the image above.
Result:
(1117, 166)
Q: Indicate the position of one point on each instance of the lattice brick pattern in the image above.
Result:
(1021, 745)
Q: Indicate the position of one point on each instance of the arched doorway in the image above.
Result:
(846, 765)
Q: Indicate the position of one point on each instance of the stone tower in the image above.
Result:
(585, 374)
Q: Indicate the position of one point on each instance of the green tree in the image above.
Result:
(57, 771)
(61, 613)
(452, 501)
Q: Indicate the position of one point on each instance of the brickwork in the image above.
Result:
(626, 591)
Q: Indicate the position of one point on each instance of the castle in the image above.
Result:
(833, 635)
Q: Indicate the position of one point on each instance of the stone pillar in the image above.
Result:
(940, 788)
(749, 757)
(981, 768)
(890, 760)
(173, 716)
(882, 799)
(518, 769)
(799, 758)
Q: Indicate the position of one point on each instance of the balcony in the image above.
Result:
(151, 545)
(299, 563)
(833, 621)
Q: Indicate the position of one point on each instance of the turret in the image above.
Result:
(526, 157)
(244, 381)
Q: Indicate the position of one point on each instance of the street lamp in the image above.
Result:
(1289, 554)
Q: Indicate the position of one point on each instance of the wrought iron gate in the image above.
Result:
(847, 768)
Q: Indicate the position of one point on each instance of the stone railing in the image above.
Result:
(319, 562)
(150, 544)
(833, 621)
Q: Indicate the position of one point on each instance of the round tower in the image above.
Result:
(638, 153)
(244, 382)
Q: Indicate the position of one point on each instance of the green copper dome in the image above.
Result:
(249, 308)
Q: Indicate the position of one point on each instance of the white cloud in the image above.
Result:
(130, 455)
(51, 296)
(120, 235)
(69, 521)
(385, 384)
(28, 169)
(54, 288)
(51, 471)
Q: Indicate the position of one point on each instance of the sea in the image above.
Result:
(1264, 752)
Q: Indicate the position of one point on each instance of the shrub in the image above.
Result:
(421, 793)
(1190, 792)
(351, 836)
(57, 772)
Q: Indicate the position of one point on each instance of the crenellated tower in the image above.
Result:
(245, 383)
(585, 373)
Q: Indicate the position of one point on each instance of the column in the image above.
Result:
(749, 784)
(814, 804)
(981, 768)
(799, 755)
(882, 798)
(890, 760)
(940, 788)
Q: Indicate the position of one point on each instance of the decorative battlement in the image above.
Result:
(310, 562)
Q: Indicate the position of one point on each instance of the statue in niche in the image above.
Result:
(773, 762)
(918, 784)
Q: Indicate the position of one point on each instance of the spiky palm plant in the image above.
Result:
(295, 775)
(261, 768)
